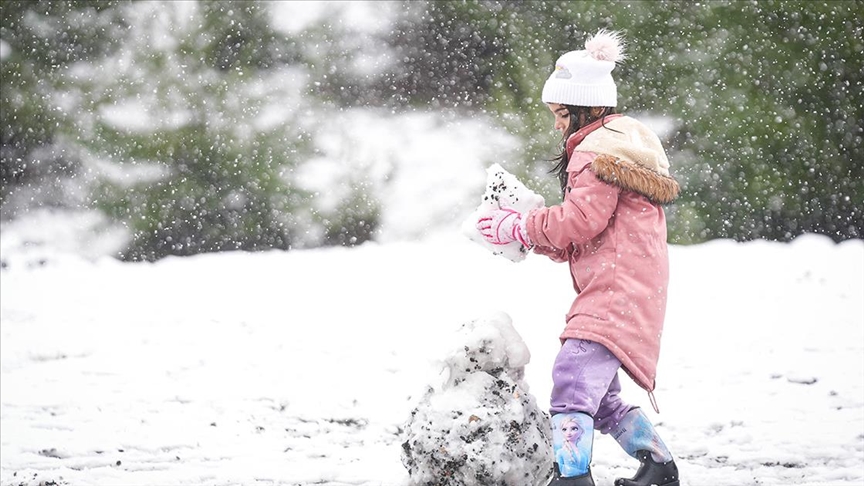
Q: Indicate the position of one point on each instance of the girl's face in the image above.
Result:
(571, 430)
(562, 116)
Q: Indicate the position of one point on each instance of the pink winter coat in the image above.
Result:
(611, 228)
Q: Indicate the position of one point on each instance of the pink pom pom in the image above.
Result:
(606, 46)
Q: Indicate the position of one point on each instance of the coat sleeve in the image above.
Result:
(589, 204)
(554, 254)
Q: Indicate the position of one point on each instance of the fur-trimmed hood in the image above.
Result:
(630, 156)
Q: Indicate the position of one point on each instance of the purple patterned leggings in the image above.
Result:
(585, 379)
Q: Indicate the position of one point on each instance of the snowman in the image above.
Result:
(480, 426)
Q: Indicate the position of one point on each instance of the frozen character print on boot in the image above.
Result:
(637, 436)
(572, 443)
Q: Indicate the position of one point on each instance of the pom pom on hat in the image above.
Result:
(584, 78)
(606, 46)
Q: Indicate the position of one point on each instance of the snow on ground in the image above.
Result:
(302, 367)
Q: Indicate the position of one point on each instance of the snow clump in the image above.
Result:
(503, 190)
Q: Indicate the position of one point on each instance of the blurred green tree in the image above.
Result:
(40, 39)
(775, 129)
(194, 108)
(184, 121)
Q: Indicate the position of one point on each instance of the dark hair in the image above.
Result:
(580, 116)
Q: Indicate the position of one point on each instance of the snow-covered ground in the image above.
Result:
(302, 367)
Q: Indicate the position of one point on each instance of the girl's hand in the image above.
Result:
(502, 226)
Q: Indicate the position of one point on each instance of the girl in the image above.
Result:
(611, 229)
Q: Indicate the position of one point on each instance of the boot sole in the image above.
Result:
(673, 483)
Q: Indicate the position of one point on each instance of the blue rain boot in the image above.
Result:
(572, 442)
(637, 437)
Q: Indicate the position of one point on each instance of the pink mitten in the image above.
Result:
(501, 226)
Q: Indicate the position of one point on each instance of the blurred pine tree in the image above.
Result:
(202, 76)
(39, 40)
(184, 121)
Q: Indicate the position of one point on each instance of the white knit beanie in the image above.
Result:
(584, 78)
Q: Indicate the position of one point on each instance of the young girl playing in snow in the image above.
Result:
(611, 229)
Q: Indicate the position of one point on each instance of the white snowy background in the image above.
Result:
(302, 367)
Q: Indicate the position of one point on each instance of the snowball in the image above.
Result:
(480, 426)
(503, 190)
(491, 345)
